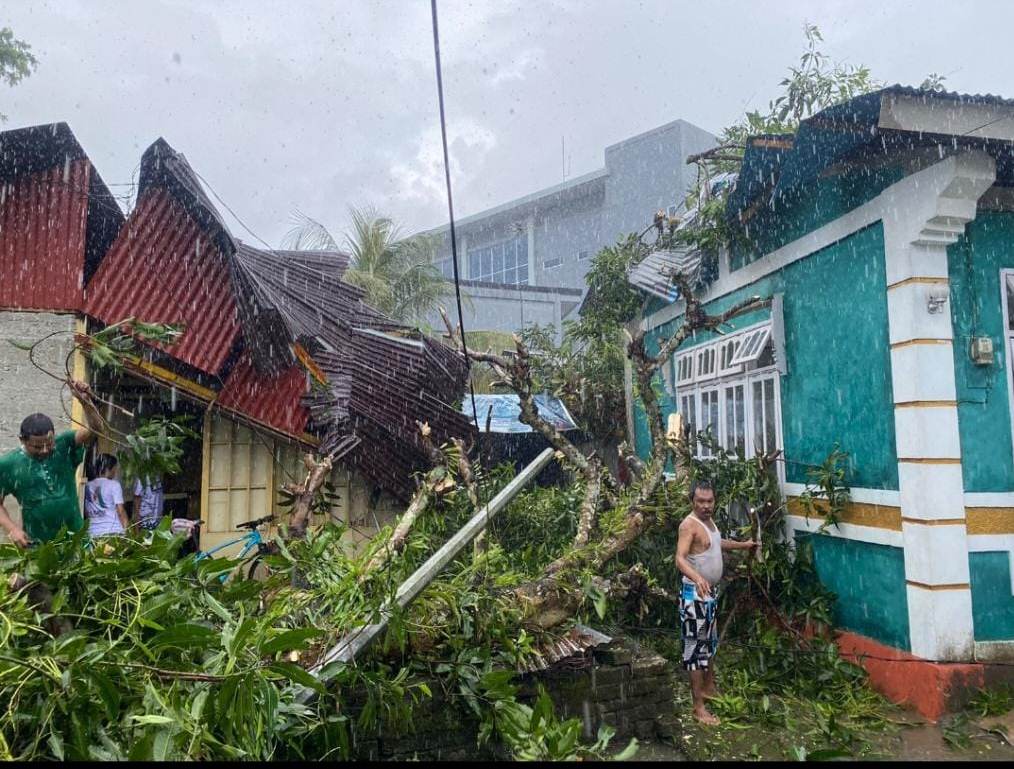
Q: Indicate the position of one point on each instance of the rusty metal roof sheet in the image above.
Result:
(571, 649)
(274, 400)
(57, 218)
(163, 268)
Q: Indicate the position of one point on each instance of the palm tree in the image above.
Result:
(397, 274)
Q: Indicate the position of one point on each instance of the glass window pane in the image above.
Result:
(740, 421)
(487, 262)
(523, 274)
(497, 260)
(769, 415)
(1010, 301)
(758, 416)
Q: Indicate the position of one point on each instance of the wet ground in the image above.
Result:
(902, 736)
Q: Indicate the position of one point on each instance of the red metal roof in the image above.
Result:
(42, 238)
(272, 400)
(163, 269)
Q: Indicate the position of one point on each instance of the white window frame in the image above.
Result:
(691, 392)
(687, 362)
(752, 344)
(1008, 337)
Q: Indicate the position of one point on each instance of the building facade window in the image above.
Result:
(582, 255)
(446, 268)
(553, 261)
(730, 389)
(505, 262)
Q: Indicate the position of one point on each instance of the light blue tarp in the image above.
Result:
(506, 413)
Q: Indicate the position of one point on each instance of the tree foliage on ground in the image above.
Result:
(397, 274)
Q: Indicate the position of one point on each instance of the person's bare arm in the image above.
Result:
(685, 540)
(122, 512)
(15, 533)
(87, 434)
(732, 544)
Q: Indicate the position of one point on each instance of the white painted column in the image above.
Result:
(463, 257)
(928, 211)
(532, 277)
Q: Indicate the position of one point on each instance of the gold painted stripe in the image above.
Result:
(909, 281)
(908, 342)
(171, 378)
(934, 521)
(990, 520)
(924, 586)
(931, 460)
(856, 513)
(925, 404)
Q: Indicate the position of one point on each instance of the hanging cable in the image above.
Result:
(480, 475)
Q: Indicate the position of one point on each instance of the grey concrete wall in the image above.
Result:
(506, 309)
(564, 232)
(643, 174)
(25, 390)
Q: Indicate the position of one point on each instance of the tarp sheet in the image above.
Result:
(506, 413)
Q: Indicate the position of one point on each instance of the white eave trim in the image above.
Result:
(906, 112)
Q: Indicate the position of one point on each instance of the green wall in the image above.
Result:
(992, 601)
(838, 387)
(974, 264)
(869, 581)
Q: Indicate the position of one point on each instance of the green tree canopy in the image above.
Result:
(397, 274)
(16, 60)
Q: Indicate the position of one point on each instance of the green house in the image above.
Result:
(883, 232)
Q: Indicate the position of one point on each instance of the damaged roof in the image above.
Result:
(285, 341)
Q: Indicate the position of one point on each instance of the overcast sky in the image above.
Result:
(320, 104)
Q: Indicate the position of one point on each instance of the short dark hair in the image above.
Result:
(100, 465)
(702, 484)
(36, 424)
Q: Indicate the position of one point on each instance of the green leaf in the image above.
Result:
(56, 745)
(290, 639)
(185, 636)
(151, 719)
(108, 693)
(297, 675)
(628, 752)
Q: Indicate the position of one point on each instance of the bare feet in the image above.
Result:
(706, 717)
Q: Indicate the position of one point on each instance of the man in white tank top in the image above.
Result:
(699, 557)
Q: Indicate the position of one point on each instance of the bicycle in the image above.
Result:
(252, 540)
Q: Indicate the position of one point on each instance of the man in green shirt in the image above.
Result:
(41, 474)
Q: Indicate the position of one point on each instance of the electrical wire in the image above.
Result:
(479, 477)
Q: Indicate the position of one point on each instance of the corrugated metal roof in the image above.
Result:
(57, 218)
(163, 269)
(274, 400)
(654, 273)
(42, 238)
(570, 650)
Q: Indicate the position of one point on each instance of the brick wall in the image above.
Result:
(623, 685)
(23, 389)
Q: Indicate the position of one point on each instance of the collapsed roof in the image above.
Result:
(275, 337)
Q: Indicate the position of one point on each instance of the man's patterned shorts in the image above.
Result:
(699, 627)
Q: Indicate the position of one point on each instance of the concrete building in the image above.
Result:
(883, 234)
(545, 240)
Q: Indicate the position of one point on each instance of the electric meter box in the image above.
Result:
(982, 350)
